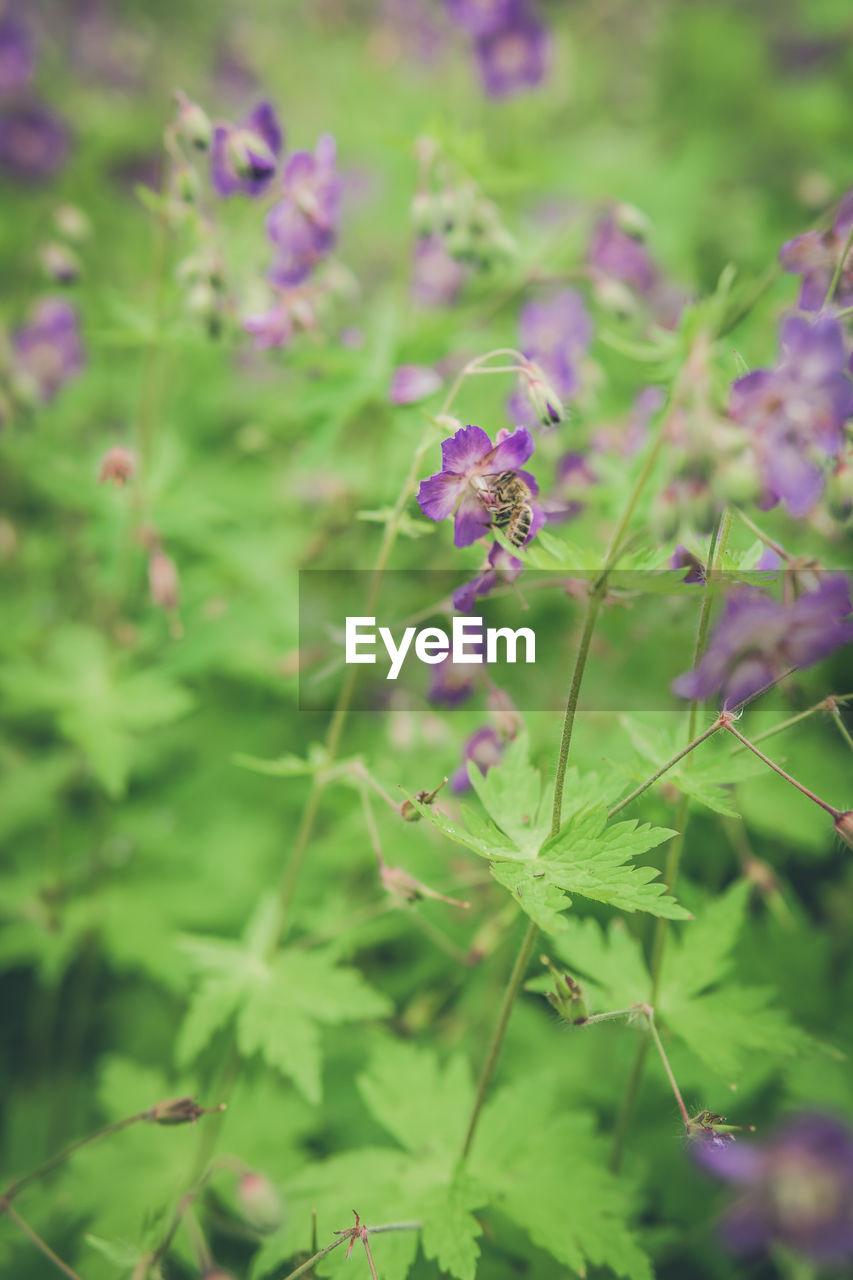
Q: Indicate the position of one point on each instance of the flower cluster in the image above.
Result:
(34, 141)
(795, 413)
(758, 639)
(796, 1189)
(46, 353)
(623, 270)
(510, 44)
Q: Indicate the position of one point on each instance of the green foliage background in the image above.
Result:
(141, 861)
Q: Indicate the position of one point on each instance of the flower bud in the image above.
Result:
(409, 813)
(839, 492)
(613, 296)
(259, 1202)
(193, 124)
(72, 222)
(117, 466)
(176, 1111)
(568, 997)
(737, 481)
(59, 263)
(248, 155)
(844, 827)
(544, 399)
(163, 581)
(504, 713)
(185, 184)
(632, 221)
(424, 213)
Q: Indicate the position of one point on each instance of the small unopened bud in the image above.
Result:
(543, 396)
(72, 222)
(504, 714)
(707, 1126)
(193, 123)
(844, 827)
(613, 296)
(163, 581)
(185, 184)
(179, 1111)
(839, 492)
(424, 213)
(568, 997)
(409, 813)
(632, 221)
(737, 480)
(260, 1203)
(118, 465)
(59, 263)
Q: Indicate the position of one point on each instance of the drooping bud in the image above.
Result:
(193, 124)
(59, 263)
(424, 213)
(707, 1126)
(179, 1111)
(409, 813)
(185, 184)
(118, 465)
(248, 155)
(844, 827)
(259, 1201)
(163, 581)
(505, 715)
(544, 399)
(632, 221)
(568, 997)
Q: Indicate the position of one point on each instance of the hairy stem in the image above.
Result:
(61, 1156)
(830, 809)
(40, 1244)
(649, 782)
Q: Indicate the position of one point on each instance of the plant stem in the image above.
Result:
(836, 276)
(39, 1243)
(345, 1237)
(650, 1014)
(825, 704)
(834, 813)
(719, 541)
(19, 1183)
(762, 536)
(512, 988)
(649, 782)
(841, 726)
(529, 941)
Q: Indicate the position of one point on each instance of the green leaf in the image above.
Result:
(534, 893)
(592, 858)
(611, 960)
(400, 1073)
(511, 793)
(450, 1230)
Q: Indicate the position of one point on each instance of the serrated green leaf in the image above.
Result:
(450, 1230)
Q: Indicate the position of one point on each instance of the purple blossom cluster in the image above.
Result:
(47, 351)
(759, 639)
(34, 140)
(510, 44)
(795, 413)
(816, 255)
(622, 267)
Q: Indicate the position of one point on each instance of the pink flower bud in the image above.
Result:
(844, 827)
(118, 465)
(163, 581)
(260, 1203)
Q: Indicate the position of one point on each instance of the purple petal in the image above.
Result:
(264, 121)
(512, 452)
(472, 520)
(413, 382)
(437, 496)
(465, 450)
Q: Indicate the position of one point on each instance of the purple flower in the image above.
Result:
(452, 683)
(815, 256)
(573, 477)
(413, 382)
(34, 142)
(48, 351)
(500, 567)
(17, 52)
(303, 225)
(270, 328)
(681, 558)
(796, 1189)
(484, 748)
(554, 333)
(514, 57)
(796, 412)
(758, 639)
(481, 17)
(467, 457)
(436, 276)
(622, 256)
(243, 156)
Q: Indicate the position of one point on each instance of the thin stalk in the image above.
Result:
(836, 275)
(834, 813)
(825, 704)
(719, 541)
(841, 726)
(762, 536)
(685, 1115)
(649, 782)
(40, 1244)
(512, 988)
(529, 941)
(24, 1181)
(345, 1237)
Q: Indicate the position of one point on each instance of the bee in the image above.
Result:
(507, 498)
